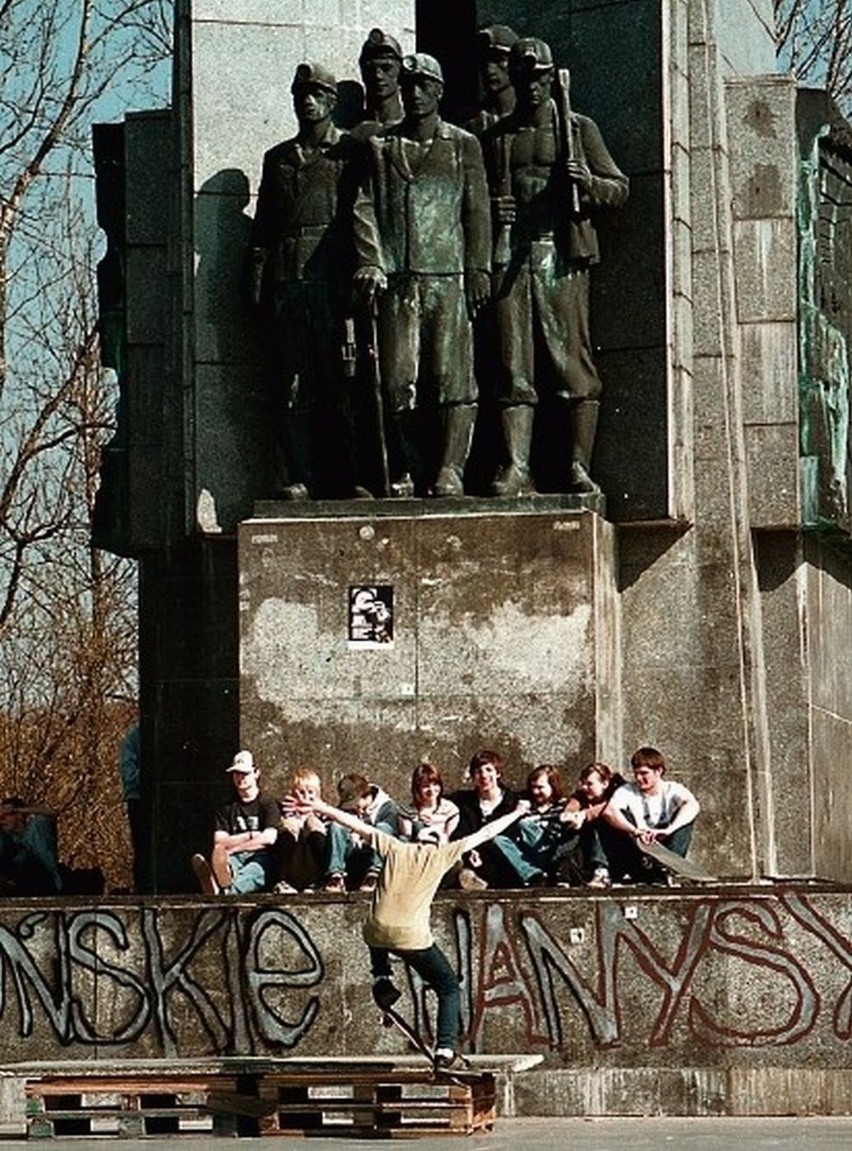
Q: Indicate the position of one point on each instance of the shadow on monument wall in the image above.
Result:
(234, 449)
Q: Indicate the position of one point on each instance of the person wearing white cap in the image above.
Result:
(242, 860)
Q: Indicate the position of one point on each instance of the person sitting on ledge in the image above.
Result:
(399, 919)
(651, 809)
(534, 854)
(302, 839)
(350, 856)
(431, 812)
(29, 864)
(243, 859)
(584, 854)
(488, 799)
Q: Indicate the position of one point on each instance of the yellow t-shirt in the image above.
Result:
(399, 915)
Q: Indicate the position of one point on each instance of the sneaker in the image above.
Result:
(282, 887)
(450, 1061)
(204, 875)
(335, 884)
(600, 878)
(538, 880)
(470, 881)
(370, 881)
(384, 992)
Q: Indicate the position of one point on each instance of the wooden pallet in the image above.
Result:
(252, 1096)
(127, 1107)
(389, 1103)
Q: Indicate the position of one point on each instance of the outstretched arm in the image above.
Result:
(290, 804)
(495, 826)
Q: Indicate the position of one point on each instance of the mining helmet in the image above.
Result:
(496, 38)
(529, 54)
(316, 75)
(420, 64)
(379, 43)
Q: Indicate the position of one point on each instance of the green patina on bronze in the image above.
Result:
(825, 326)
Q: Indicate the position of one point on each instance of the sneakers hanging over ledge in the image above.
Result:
(370, 881)
(204, 875)
(470, 881)
(600, 878)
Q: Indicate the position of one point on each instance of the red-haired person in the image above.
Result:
(432, 815)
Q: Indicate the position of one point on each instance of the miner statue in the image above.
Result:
(422, 240)
(549, 172)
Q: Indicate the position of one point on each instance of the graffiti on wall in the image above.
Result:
(253, 981)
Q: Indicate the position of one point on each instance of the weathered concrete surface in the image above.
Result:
(702, 1002)
(505, 635)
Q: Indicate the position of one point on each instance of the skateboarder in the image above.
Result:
(398, 921)
(649, 810)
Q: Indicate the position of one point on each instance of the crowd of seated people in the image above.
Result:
(592, 835)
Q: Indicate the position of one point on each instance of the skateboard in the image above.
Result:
(392, 1018)
(675, 863)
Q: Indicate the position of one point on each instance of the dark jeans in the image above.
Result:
(625, 858)
(435, 970)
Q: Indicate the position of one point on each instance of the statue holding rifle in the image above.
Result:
(422, 236)
(549, 170)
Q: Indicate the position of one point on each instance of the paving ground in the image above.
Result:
(776, 1134)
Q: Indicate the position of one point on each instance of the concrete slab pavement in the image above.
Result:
(781, 1133)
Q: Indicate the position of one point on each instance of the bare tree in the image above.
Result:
(67, 610)
(814, 39)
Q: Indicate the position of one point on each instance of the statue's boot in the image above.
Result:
(402, 454)
(293, 479)
(457, 421)
(584, 420)
(514, 478)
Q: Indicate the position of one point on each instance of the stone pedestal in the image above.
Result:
(498, 629)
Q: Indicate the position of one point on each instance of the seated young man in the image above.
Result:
(29, 864)
(583, 854)
(534, 853)
(243, 859)
(650, 809)
(302, 838)
(488, 799)
(352, 861)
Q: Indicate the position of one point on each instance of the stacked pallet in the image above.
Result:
(129, 1107)
(351, 1097)
(362, 1102)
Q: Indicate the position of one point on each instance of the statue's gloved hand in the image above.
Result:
(368, 283)
(580, 172)
(477, 289)
(504, 209)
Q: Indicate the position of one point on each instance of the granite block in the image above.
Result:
(769, 372)
(765, 266)
(146, 279)
(773, 475)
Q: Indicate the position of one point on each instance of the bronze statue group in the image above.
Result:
(408, 268)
